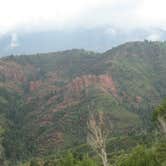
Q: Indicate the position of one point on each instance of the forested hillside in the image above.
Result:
(46, 101)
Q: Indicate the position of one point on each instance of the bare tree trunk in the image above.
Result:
(104, 158)
(97, 134)
(162, 123)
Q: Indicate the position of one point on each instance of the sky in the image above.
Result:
(31, 15)
(121, 19)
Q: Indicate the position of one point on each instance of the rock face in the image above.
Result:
(138, 99)
(12, 71)
(104, 81)
(108, 83)
(34, 85)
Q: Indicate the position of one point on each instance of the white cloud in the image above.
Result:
(14, 41)
(152, 13)
(30, 15)
(111, 31)
(154, 37)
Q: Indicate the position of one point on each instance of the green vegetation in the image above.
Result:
(160, 111)
(142, 156)
(46, 100)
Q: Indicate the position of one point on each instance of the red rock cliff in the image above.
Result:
(104, 81)
(12, 71)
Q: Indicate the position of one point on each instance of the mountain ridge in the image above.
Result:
(55, 93)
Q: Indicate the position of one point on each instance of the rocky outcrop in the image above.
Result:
(138, 99)
(108, 83)
(12, 71)
(34, 85)
(104, 81)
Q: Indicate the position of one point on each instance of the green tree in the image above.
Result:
(140, 156)
(161, 153)
(159, 116)
(87, 161)
(68, 160)
(50, 163)
(35, 162)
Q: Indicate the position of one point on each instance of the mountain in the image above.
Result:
(45, 99)
(95, 38)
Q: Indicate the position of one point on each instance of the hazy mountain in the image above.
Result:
(96, 39)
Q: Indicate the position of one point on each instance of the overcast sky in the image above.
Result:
(31, 15)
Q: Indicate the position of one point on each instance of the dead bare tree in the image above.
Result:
(97, 135)
(162, 123)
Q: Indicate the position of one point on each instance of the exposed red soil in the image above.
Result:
(12, 71)
(34, 85)
(105, 81)
(138, 99)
